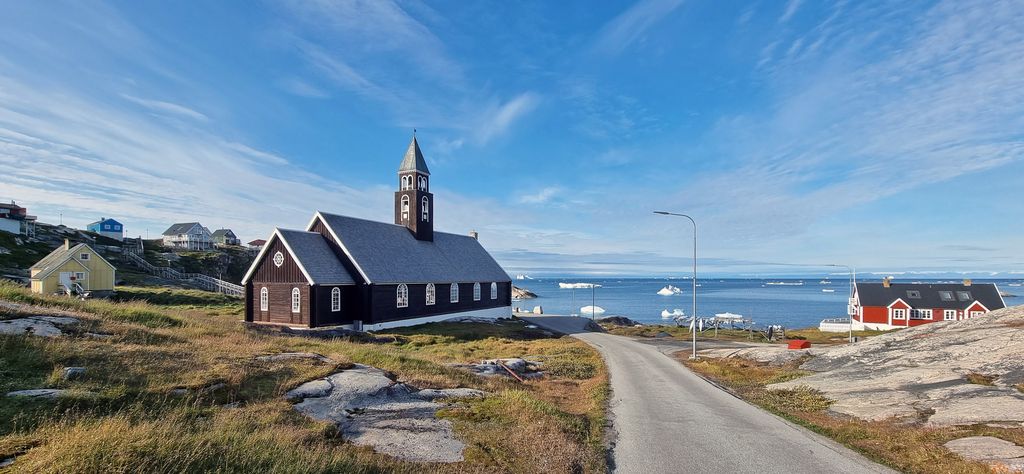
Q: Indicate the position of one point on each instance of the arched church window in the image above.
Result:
(405, 208)
(422, 183)
(426, 209)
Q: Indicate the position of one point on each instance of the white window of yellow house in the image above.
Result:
(84, 256)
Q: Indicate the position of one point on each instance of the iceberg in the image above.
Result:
(669, 291)
(577, 285)
(591, 310)
(675, 313)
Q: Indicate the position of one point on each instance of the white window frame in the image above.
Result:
(921, 314)
(405, 208)
(422, 183)
(975, 314)
(453, 293)
(83, 256)
(431, 294)
(899, 313)
(402, 296)
(425, 208)
(476, 291)
(335, 299)
(949, 315)
(494, 290)
(406, 183)
(296, 300)
(264, 299)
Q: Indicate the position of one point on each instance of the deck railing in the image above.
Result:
(205, 282)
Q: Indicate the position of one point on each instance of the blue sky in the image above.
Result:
(888, 136)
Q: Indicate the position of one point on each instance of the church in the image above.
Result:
(367, 275)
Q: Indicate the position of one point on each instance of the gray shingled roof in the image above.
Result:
(876, 294)
(56, 257)
(181, 228)
(389, 253)
(413, 160)
(221, 232)
(315, 255)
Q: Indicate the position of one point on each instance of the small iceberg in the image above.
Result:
(577, 285)
(674, 314)
(591, 310)
(670, 290)
(827, 290)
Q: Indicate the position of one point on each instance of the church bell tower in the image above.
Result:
(414, 204)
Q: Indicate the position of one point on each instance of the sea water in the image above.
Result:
(791, 305)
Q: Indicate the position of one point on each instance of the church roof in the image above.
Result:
(389, 253)
(413, 160)
(313, 255)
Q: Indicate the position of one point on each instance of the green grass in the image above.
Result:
(24, 255)
(120, 415)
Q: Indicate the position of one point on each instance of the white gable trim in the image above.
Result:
(266, 247)
(42, 276)
(309, 228)
(1001, 300)
(976, 302)
(909, 306)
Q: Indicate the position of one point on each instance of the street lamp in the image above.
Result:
(853, 282)
(694, 332)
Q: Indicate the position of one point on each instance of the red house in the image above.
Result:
(888, 305)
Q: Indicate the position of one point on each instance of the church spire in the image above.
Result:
(413, 160)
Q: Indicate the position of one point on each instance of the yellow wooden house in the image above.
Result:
(73, 270)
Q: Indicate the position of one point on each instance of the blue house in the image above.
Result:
(107, 228)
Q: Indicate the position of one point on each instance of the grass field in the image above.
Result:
(122, 416)
(905, 447)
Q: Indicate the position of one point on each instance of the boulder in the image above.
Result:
(72, 373)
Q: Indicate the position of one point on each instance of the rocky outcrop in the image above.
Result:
(371, 409)
(771, 354)
(44, 326)
(1001, 455)
(944, 373)
(618, 321)
(522, 293)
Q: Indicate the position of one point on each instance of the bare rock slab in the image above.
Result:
(998, 453)
(371, 409)
(37, 393)
(43, 326)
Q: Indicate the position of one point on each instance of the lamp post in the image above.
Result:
(694, 332)
(853, 282)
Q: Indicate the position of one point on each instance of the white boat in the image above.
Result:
(665, 314)
(577, 285)
(670, 290)
(591, 310)
(827, 290)
(825, 282)
(728, 316)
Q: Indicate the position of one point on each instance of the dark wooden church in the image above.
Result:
(343, 271)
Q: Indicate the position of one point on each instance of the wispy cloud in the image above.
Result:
(496, 120)
(631, 25)
(162, 107)
(540, 197)
(791, 7)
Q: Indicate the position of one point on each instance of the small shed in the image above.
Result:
(73, 270)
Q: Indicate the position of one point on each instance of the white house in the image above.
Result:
(188, 236)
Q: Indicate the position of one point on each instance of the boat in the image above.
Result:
(577, 285)
(670, 290)
(785, 283)
(825, 282)
(591, 310)
(665, 314)
(827, 290)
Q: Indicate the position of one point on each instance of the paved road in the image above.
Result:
(668, 420)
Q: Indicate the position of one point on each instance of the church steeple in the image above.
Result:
(414, 204)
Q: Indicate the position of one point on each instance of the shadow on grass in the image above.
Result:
(507, 329)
